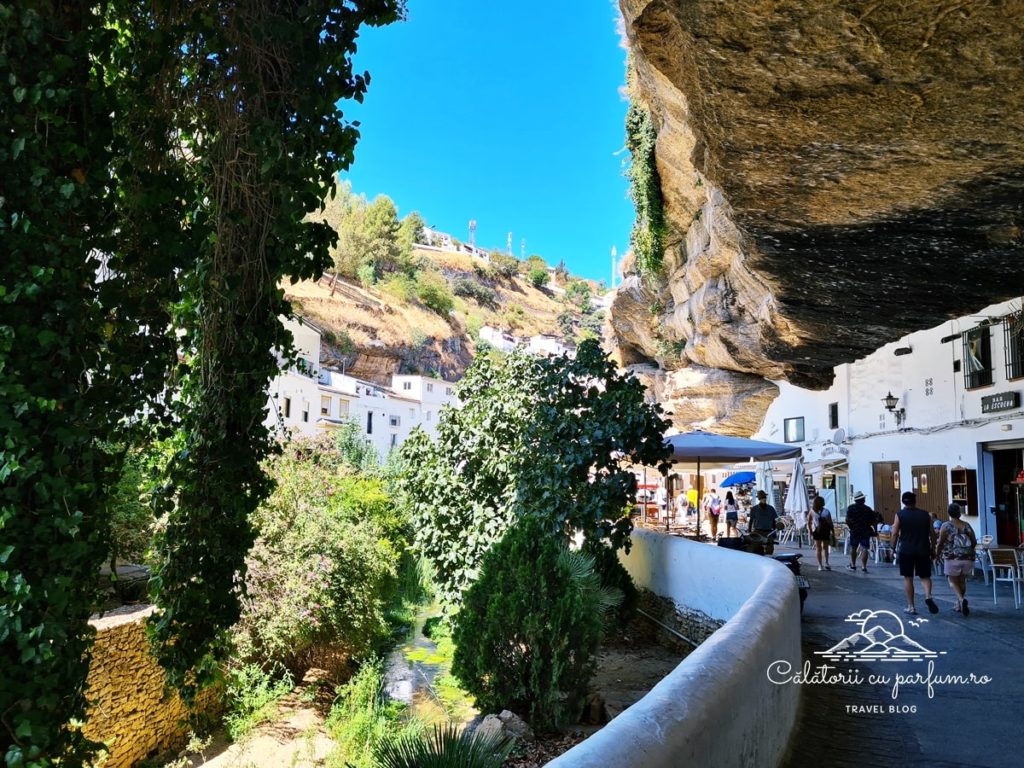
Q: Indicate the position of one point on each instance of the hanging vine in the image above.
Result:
(158, 162)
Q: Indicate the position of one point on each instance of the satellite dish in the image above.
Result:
(839, 437)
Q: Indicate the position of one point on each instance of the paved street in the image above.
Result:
(857, 723)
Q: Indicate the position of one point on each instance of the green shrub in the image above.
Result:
(482, 294)
(538, 276)
(504, 265)
(324, 564)
(528, 630)
(362, 716)
(433, 291)
(251, 697)
(399, 285)
(448, 747)
(367, 275)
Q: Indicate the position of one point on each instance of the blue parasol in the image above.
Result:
(738, 478)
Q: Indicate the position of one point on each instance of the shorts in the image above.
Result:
(911, 565)
(732, 517)
(821, 535)
(860, 541)
(958, 567)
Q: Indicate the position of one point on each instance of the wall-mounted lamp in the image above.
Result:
(899, 351)
(890, 402)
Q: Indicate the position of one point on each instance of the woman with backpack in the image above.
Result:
(821, 526)
(956, 545)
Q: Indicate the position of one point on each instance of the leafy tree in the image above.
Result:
(567, 324)
(433, 291)
(186, 145)
(578, 292)
(410, 232)
(561, 273)
(538, 277)
(594, 323)
(547, 437)
(505, 266)
(533, 261)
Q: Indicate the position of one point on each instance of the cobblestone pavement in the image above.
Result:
(849, 723)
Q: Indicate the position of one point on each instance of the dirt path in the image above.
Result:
(296, 738)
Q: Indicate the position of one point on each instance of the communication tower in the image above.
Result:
(472, 233)
(522, 248)
(508, 245)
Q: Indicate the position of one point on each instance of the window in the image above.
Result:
(430, 387)
(977, 358)
(449, 391)
(287, 407)
(369, 422)
(305, 416)
(794, 430)
(394, 440)
(343, 407)
(833, 415)
(325, 405)
(395, 421)
(1013, 337)
(406, 385)
(412, 414)
(428, 415)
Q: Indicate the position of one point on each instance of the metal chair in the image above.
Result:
(980, 560)
(883, 547)
(1004, 566)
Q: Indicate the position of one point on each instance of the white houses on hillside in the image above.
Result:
(541, 344)
(306, 400)
(937, 412)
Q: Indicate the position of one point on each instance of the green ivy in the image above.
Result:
(649, 228)
(186, 143)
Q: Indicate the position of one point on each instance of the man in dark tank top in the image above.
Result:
(912, 532)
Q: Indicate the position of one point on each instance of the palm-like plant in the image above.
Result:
(447, 747)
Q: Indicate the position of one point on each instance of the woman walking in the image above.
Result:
(732, 516)
(821, 526)
(956, 545)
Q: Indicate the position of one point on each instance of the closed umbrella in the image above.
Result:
(700, 446)
(796, 498)
(766, 480)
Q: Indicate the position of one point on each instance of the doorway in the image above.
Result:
(929, 484)
(886, 484)
(1006, 464)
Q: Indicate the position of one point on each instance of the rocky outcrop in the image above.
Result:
(835, 175)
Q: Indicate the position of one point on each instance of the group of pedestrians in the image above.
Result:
(917, 544)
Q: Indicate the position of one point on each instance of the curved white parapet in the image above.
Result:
(718, 707)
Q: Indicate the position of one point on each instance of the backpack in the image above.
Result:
(825, 521)
(962, 548)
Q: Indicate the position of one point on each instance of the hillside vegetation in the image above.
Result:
(392, 306)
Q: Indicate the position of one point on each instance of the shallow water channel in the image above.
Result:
(418, 674)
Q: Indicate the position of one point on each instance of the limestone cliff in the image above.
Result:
(835, 175)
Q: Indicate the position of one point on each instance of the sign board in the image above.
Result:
(1004, 401)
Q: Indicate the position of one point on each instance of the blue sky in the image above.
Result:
(507, 113)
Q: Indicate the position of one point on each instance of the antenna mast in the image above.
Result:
(508, 245)
(472, 234)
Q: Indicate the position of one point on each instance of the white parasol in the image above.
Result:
(796, 498)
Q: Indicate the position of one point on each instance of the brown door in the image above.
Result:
(886, 479)
(930, 486)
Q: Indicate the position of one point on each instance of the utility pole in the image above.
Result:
(472, 234)
(508, 245)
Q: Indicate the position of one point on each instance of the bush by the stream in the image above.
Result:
(251, 697)
(324, 567)
(447, 747)
(509, 654)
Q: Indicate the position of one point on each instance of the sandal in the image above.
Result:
(911, 611)
(966, 609)
(932, 607)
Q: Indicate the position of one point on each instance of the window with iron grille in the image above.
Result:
(833, 415)
(1013, 342)
(977, 365)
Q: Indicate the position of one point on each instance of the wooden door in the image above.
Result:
(886, 483)
(930, 486)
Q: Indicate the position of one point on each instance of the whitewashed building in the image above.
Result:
(541, 344)
(937, 412)
(306, 400)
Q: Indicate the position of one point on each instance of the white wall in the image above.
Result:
(944, 423)
(717, 708)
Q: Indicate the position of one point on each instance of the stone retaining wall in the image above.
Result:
(130, 711)
(717, 708)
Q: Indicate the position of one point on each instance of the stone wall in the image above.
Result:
(130, 712)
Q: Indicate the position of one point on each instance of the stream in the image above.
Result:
(418, 674)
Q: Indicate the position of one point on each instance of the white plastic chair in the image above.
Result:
(980, 560)
(786, 534)
(1005, 568)
(883, 547)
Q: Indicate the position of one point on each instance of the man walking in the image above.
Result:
(860, 519)
(762, 515)
(913, 531)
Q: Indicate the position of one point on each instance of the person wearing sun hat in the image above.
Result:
(860, 519)
(762, 515)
